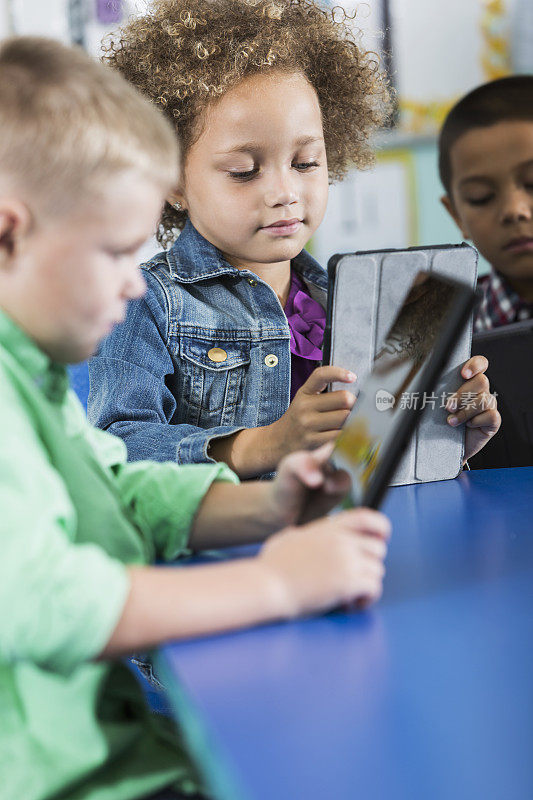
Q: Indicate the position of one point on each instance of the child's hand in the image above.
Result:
(330, 562)
(475, 405)
(314, 417)
(307, 486)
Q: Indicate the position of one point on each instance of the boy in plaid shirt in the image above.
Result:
(486, 167)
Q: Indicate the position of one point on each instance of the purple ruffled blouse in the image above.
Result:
(307, 321)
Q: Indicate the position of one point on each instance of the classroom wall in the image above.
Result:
(439, 49)
(434, 223)
(433, 220)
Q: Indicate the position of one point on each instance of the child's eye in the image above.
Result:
(243, 176)
(127, 252)
(302, 166)
(479, 201)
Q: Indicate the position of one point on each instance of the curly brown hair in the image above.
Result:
(184, 54)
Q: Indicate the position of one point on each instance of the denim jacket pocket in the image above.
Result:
(213, 374)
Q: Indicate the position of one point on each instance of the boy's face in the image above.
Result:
(492, 194)
(256, 180)
(71, 276)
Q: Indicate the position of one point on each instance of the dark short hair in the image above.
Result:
(503, 100)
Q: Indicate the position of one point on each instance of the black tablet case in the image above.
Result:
(509, 350)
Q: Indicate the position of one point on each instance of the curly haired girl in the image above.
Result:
(271, 100)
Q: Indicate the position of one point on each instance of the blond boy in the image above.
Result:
(85, 164)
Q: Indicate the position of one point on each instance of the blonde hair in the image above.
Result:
(67, 122)
(185, 54)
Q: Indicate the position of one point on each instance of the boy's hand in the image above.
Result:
(314, 417)
(330, 562)
(336, 561)
(474, 405)
(307, 486)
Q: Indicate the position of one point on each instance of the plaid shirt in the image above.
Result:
(501, 305)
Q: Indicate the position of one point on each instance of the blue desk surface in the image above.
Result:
(428, 696)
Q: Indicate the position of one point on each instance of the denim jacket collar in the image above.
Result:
(192, 258)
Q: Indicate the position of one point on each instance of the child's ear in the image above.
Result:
(177, 200)
(447, 202)
(15, 222)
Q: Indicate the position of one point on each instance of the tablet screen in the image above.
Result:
(392, 384)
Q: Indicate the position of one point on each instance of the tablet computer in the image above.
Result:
(509, 350)
(365, 291)
(406, 365)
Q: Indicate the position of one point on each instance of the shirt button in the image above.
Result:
(217, 354)
(252, 282)
(271, 360)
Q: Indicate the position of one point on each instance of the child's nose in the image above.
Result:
(516, 206)
(281, 189)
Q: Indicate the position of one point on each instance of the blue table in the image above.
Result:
(428, 696)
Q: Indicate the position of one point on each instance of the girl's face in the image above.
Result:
(256, 181)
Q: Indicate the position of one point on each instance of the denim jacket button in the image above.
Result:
(217, 354)
(271, 360)
(252, 282)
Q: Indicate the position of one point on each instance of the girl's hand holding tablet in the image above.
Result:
(474, 405)
(313, 418)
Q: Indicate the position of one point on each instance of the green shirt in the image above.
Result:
(72, 514)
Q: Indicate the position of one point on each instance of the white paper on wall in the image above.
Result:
(84, 21)
(98, 27)
(34, 18)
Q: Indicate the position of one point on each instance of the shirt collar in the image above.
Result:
(503, 289)
(192, 258)
(48, 375)
(504, 298)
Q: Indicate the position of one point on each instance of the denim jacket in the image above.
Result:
(159, 383)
